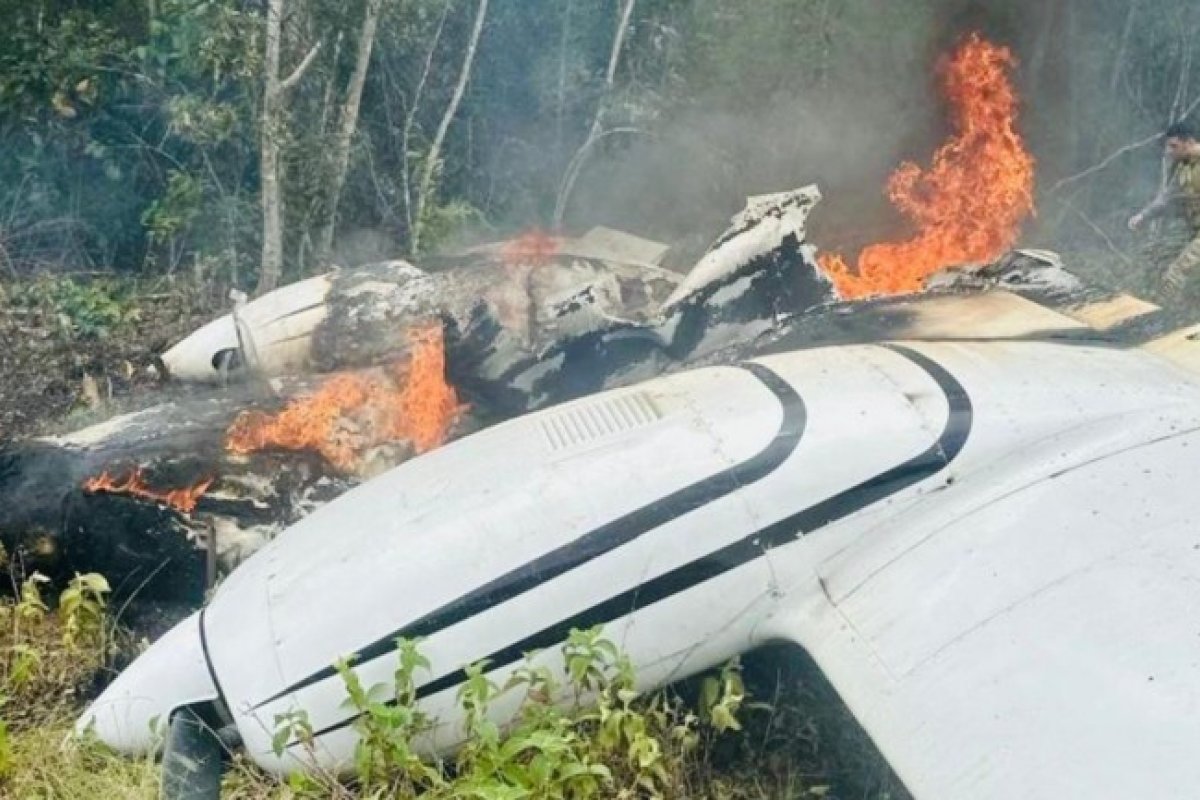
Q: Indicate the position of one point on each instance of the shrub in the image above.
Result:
(605, 741)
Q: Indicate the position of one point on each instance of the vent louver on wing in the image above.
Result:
(589, 422)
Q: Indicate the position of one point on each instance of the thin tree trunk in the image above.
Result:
(610, 77)
(410, 119)
(348, 124)
(425, 188)
(274, 89)
(330, 86)
(271, 267)
(1123, 49)
(564, 37)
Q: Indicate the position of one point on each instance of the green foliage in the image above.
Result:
(174, 212)
(609, 742)
(31, 607)
(721, 698)
(216, 41)
(446, 221)
(587, 656)
(6, 754)
(86, 310)
(52, 67)
(82, 610)
(46, 656)
(120, 120)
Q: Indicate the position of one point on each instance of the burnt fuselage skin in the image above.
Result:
(51, 522)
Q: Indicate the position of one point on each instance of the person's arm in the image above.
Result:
(1161, 202)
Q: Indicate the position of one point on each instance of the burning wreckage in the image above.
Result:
(970, 555)
(297, 396)
(351, 373)
(754, 452)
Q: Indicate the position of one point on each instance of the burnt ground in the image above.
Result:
(82, 354)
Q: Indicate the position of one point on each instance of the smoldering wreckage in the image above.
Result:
(966, 493)
(323, 383)
(304, 393)
(702, 462)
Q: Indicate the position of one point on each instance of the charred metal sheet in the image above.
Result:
(155, 499)
(524, 325)
(536, 320)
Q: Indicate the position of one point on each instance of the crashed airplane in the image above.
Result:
(534, 321)
(319, 385)
(972, 555)
(304, 393)
(996, 572)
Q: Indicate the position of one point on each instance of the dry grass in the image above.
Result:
(46, 762)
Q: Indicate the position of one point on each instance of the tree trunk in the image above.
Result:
(410, 119)
(272, 204)
(1123, 49)
(560, 108)
(425, 188)
(595, 132)
(346, 128)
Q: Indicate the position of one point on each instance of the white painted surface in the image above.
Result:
(133, 712)
(767, 220)
(274, 330)
(1023, 623)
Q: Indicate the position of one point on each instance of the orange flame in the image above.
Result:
(969, 205)
(134, 484)
(355, 411)
(534, 247)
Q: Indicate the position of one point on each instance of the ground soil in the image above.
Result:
(50, 373)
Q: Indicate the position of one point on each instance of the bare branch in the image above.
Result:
(1092, 170)
(575, 168)
(1098, 231)
(1129, 148)
(425, 187)
(347, 125)
(594, 133)
(410, 119)
(271, 267)
(291, 80)
(330, 84)
(560, 107)
(614, 58)
(1127, 31)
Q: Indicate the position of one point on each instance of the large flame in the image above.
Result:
(353, 412)
(969, 205)
(135, 485)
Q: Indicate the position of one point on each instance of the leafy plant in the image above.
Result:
(31, 607)
(580, 731)
(721, 697)
(6, 756)
(81, 608)
(45, 656)
(89, 310)
(176, 210)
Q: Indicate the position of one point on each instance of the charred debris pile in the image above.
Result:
(322, 384)
(296, 397)
(317, 386)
